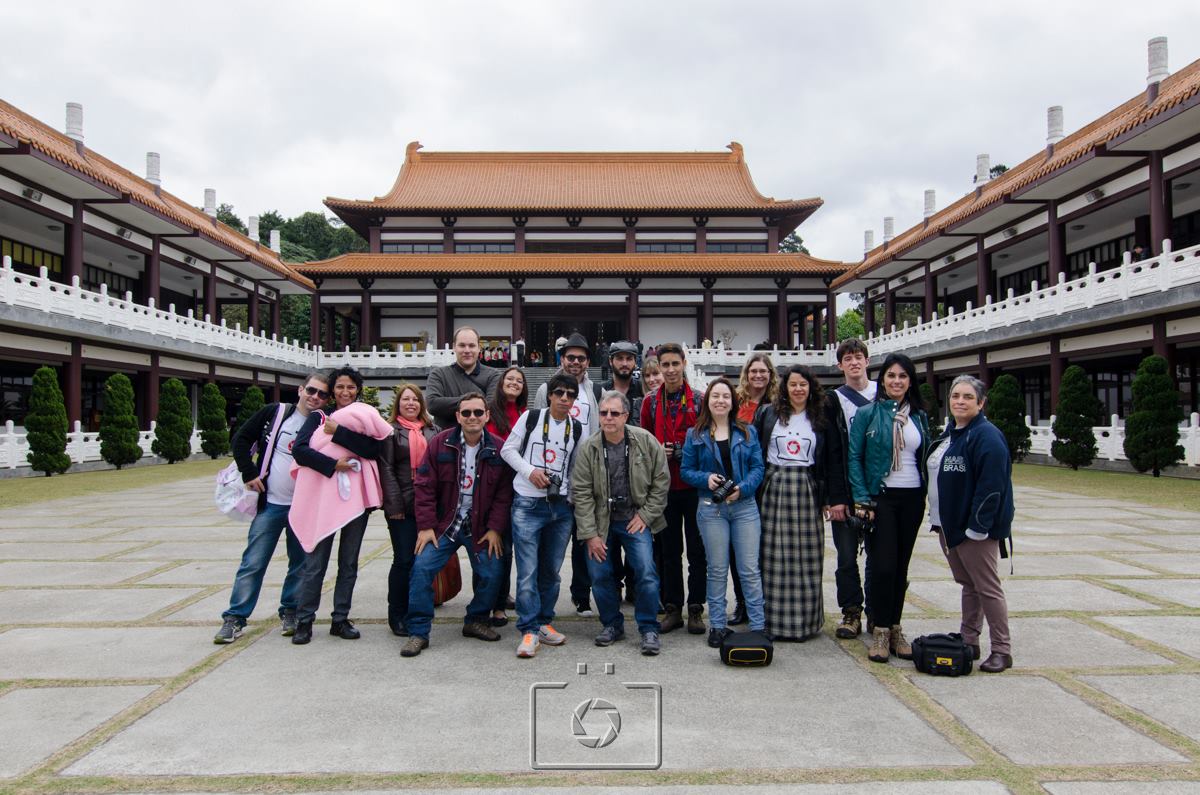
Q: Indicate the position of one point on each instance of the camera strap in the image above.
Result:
(571, 432)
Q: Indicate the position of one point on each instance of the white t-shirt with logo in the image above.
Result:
(552, 454)
(934, 465)
(848, 406)
(280, 485)
(466, 489)
(793, 443)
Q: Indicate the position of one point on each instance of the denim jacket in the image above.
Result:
(701, 458)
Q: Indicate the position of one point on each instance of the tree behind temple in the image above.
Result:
(1152, 428)
(1074, 440)
(252, 401)
(173, 426)
(118, 424)
(1006, 410)
(46, 424)
(214, 427)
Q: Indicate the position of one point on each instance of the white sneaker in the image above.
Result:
(529, 645)
(551, 636)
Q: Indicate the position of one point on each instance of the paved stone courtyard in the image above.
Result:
(109, 680)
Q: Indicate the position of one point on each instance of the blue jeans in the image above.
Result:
(427, 565)
(639, 558)
(722, 524)
(260, 546)
(540, 533)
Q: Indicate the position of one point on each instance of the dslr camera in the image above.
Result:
(674, 451)
(861, 524)
(620, 501)
(554, 490)
(723, 490)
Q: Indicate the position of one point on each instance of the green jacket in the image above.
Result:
(870, 458)
(649, 482)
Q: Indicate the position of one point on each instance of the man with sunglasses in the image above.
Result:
(270, 476)
(468, 374)
(541, 449)
(461, 492)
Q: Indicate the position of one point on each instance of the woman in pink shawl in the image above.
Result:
(337, 485)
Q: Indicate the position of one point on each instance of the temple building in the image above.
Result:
(647, 246)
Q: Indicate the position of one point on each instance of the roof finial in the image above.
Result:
(736, 151)
(410, 152)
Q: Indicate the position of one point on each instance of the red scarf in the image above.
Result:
(416, 441)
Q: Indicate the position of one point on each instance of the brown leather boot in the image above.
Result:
(881, 646)
(996, 662)
(851, 624)
(672, 619)
(695, 622)
(900, 645)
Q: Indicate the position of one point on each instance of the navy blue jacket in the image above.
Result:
(975, 483)
(701, 458)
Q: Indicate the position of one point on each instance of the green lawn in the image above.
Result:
(24, 491)
(1176, 493)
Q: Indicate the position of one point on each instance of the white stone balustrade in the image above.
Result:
(82, 446)
(430, 357)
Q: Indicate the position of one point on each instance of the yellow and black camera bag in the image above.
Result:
(942, 655)
(747, 649)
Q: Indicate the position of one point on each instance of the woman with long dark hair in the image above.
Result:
(792, 434)
(398, 461)
(505, 405)
(889, 441)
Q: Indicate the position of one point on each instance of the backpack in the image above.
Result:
(531, 422)
(231, 495)
(942, 655)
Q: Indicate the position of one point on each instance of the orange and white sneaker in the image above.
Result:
(529, 645)
(551, 636)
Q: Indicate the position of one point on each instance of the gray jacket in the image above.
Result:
(447, 384)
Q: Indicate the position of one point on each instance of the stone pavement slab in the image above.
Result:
(71, 573)
(1174, 562)
(1034, 565)
(60, 550)
(1032, 721)
(195, 550)
(1184, 592)
(129, 653)
(1122, 787)
(1177, 632)
(1176, 542)
(1156, 525)
(39, 721)
(34, 606)
(1036, 594)
(1080, 543)
(364, 689)
(1168, 698)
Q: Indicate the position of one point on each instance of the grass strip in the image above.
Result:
(16, 492)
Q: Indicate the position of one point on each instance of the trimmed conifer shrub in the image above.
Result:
(1006, 410)
(46, 424)
(214, 428)
(929, 398)
(118, 424)
(252, 401)
(370, 396)
(1152, 428)
(173, 431)
(1074, 440)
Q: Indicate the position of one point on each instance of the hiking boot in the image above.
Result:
(529, 645)
(870, 625)
(881, 646)
(230, 631)
(717, 636)
(610, 635)
(996, 662)
(695, 619)
(287, 623)
(344, 629)
(481, 630)
(303, 633)
(900, 645)
(651, 644)
(851, 624)
(551, 636)
(738, 616)
(413, 646)
(672, 619)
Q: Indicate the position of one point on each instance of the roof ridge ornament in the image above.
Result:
(411, 152)
(736, 153)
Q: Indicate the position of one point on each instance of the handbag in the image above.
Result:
(231, 495)
(747, 649)
(448, 581)
(942, 655)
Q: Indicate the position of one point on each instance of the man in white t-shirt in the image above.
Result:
(841, 404)
(270, 476)
(541, 449)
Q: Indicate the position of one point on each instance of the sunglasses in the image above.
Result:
(472, 412)
(312, 390)
(564, 393)
(610, 413)
(574, 357)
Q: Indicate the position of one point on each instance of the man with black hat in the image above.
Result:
(622, 358)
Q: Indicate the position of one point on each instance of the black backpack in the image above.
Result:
(747, 649)
(942, 655)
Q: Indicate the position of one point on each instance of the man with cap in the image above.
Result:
(622, 358)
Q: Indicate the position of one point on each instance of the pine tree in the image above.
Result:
(173, 431)
(1152, 429)
(118, 424)
(1006, 410)
(214, 427)
(46, 424)
(252, 401)
(1074, 440)
(370, 396)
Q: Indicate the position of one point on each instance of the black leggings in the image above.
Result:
(898, 515)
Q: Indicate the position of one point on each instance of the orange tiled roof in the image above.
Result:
(569, 264)
(1173, 91)
(582, 181)
(54, 144)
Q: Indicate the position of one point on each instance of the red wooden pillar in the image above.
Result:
(314, 317)
(150, 394)
(1160, 214)
(518, 321)
(443, 314)
(983, 272)
(153, 275)
(74, 244)
(831, 313)
(73, 384)
(374, 239)
(252, 309)
(1056, 242)
(366, 323)
(783, 331)
(275, 316)
(930, 294)
(1057, 365)
(706, 318)
(869, 316)
(889, 309)
(210, 294)
(634, 332)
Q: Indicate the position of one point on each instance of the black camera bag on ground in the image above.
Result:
(942, 655)
(747, 649)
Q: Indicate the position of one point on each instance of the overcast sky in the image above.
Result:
(864, 104)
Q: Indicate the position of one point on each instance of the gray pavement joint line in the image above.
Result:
(163, 568)
(175, 607)
(1169, 607)
(33, 684)
(1139, 642)
(138, 548)
(1116, 557)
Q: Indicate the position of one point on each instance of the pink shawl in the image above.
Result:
(320, 508)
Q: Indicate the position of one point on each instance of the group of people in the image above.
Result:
(634, 475)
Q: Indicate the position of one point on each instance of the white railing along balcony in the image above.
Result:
(430, 357)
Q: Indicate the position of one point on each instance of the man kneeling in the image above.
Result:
(619, 488)
(462, 496)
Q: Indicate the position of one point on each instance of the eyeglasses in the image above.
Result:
(574, 357)
(312, 390)
(560, 392)
(472, 412)
(610, 413)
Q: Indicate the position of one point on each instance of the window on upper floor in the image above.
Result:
(29, 259)
(736, 248)
(485, 248)
(666, 248)
(574, 247)
(411, 248)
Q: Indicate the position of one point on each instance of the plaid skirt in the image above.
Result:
(793, 551)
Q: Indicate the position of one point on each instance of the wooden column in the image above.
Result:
(73, 232)
(869, 316)
(314, 317)
(1057, 365)
(985, 372)
(772, 237)
(366, 324)
(73, 384)
(210, 295)
(930, 294)
(818, 327)
(783, 331)
(152, 278)
(448, 222)
(1160, 217)
(150, 394)
(344, 320)
(374, 239)
(633, 332)
(706, 319)
(518, 320)
(252, 309)
(803, 324)
(701, 222)
(889, 309)
(983, 272)
(1160, 346)
(275, 316)
(831, 312)
(443, 314)
(331, 320)
(1056, 242)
